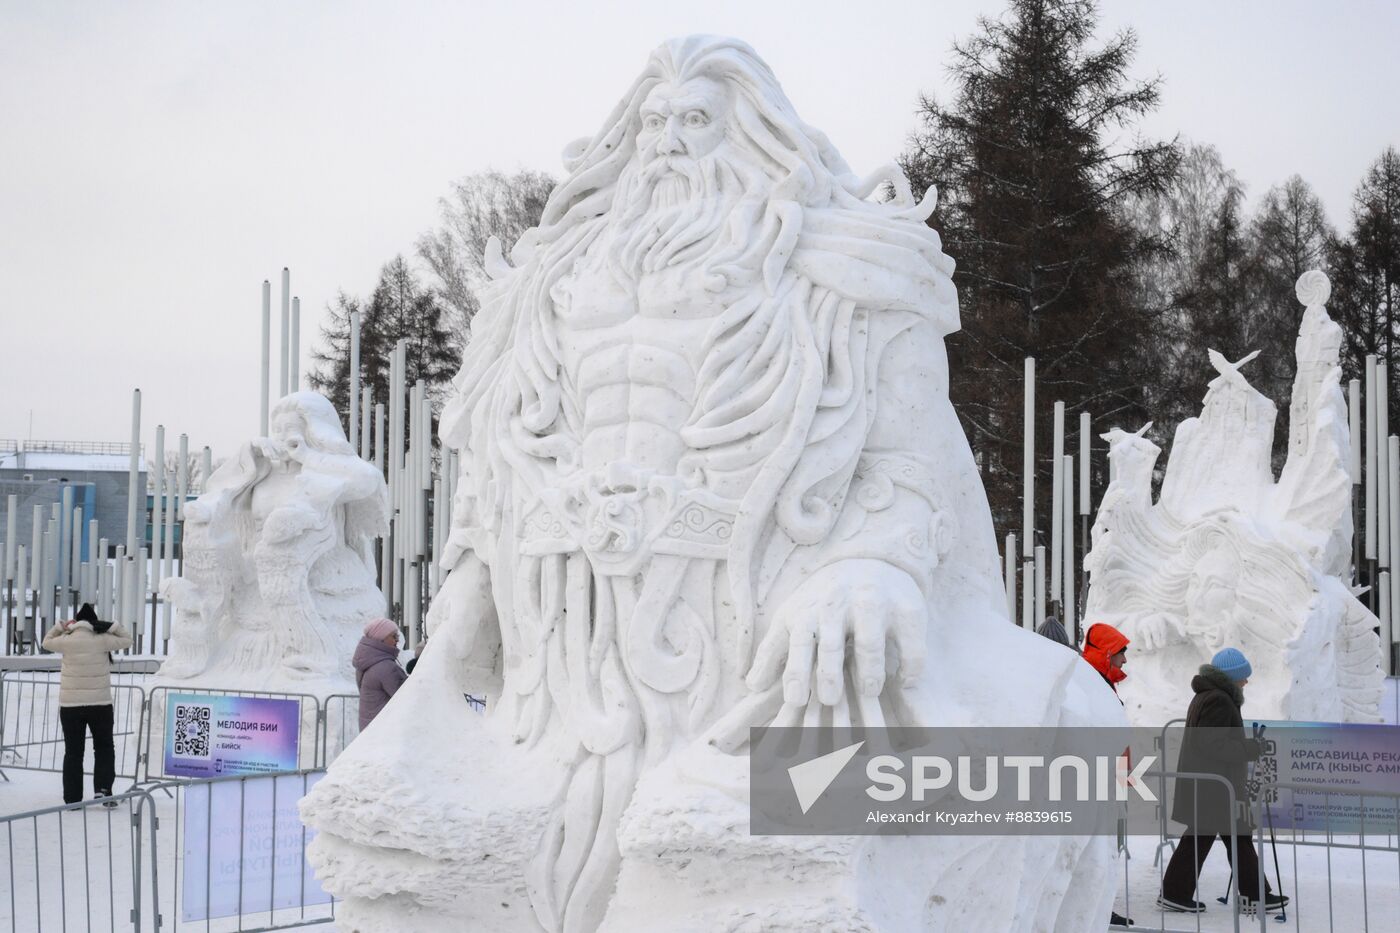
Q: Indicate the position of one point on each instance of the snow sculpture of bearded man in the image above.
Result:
(711, 479)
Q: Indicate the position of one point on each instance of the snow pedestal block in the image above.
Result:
(1229, 556)
(710, 480)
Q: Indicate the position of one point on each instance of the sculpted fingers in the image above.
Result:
(909, 625)
(831, 657)
(869, 627)
(802, 645)
(772, 652)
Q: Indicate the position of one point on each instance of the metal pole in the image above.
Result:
(366, 420)
(65, 547)
(1028, 595)
(1354, 466)
(1058, 480)
(11, 556)
(1387, 618)
(263, 402)
(22, 589)
(1372, 438)
(1009, 576)
(1382, 467)
(168, 560)
(286, 329)
(1386, 609)
(72, 587)
(379, 436)
(294, 358)
(1067, 524)
(1028, 465)
(90, 574)
(182, 488)
(1039, 583)
(158, 522)
(354, 374)
(206, 466)
(134, 471)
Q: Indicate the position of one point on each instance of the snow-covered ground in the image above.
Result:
(1339, 890)
(1325, 886)
(46, 884)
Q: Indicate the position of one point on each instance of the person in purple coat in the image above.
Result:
(377, 671)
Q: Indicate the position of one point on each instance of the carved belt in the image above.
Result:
(622, 515)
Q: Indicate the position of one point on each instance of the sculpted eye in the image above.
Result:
(653, 123)
(697, 118)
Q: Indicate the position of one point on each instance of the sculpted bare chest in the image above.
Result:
(630, 356)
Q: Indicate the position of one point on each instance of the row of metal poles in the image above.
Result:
(50, 577)
(1061, 584)
(1378, 503)
(1376, 513)
(421, 482)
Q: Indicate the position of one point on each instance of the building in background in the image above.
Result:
(36, 472)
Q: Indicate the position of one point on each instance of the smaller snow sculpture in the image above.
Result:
(278, 579)
(1228, 556)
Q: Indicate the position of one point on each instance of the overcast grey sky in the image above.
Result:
(159, 160)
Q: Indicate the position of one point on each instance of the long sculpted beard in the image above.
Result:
(672, 209)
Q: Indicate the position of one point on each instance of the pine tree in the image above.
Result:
(1033, 191)
(1365, 270)
(1289, 236)
(400, 308)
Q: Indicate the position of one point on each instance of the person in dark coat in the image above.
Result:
(1215, 743)
(377, 671)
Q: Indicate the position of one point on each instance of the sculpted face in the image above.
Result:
(686, 121)
(289, 429)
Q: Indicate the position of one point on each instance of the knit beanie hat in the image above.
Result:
(1232, 663)
(89, 615)
(379, 629)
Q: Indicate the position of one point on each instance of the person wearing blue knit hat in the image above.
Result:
(1215, 743)
(1233, 664)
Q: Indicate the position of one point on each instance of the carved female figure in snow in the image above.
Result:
(279, 577)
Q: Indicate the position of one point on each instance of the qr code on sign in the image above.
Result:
(1265, 777)
(192, 730)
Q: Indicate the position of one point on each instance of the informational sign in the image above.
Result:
(1355, 768)
(208, 735)
(245, 849)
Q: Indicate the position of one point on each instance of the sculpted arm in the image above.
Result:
(860, 615)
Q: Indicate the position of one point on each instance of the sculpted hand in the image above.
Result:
(269, 448)
(1158, 630)
(861, 607)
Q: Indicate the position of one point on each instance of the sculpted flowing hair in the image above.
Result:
(785, 366)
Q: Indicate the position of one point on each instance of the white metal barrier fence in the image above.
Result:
(31, 731)
(220, 855)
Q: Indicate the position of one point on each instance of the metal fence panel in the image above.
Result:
(31, 733)
(269, 886)
(76, 867)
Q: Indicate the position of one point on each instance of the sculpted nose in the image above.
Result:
(670, 142)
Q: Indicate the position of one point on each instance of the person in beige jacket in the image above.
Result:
(85, 697)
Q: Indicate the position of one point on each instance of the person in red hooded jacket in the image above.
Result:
(1106, 650)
